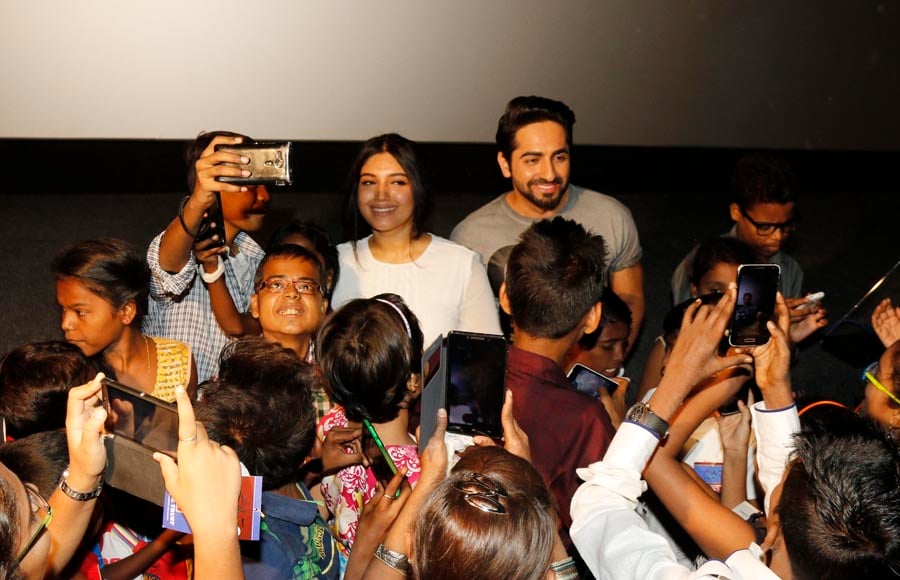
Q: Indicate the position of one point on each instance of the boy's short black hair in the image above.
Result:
(554, 276)
(39, 458)
(713, 251)
(522, 111)
(319, 239)
(34, 385)
(760, 178)
(367, 356)
(261, 406)
(290, 251)
(840, 506)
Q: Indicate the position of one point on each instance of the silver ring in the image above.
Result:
(188, 439)
(388, 497)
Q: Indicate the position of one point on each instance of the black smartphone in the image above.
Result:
(270, 163)
(143, 418)
(137, 425)
(586, 380)
(476, 380)
(757, 285)
(380, 460)
(213, 224)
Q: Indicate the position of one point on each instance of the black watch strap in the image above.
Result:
(642, 414)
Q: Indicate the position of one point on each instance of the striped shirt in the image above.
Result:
(179, 305)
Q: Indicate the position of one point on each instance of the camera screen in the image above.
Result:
(757, 286)
(588, 381)
(476, 380)
(140, 417)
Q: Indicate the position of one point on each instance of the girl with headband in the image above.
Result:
(370, 354)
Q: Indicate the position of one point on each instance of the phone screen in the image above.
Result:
(140, 417)
(586, 380)
(757, 285)
(476, 381)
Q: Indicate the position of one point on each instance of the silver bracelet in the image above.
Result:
(395, 560)
(79, 495)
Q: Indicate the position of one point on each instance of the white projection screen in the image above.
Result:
(801, 74)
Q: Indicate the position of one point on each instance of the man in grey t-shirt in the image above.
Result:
(534, 138)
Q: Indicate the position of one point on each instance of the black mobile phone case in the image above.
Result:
(213, 224)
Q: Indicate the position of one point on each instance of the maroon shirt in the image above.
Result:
(565, 428)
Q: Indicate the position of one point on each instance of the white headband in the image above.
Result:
(400, 312)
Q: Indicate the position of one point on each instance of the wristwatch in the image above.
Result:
(642, 414)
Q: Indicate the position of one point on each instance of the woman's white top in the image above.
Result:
(447, 287)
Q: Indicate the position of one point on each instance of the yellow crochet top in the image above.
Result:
(173, 367)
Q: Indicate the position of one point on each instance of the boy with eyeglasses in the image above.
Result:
(290, 305)
(764, 215)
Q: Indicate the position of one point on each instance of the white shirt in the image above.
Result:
(613, 539)
(446, 287)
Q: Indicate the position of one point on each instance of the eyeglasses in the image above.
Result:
(38, 503)
(767, 229)
(483, 493)
(279, 284)
(869, 375)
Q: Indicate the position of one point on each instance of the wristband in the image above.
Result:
(79, 495)
(392, 559)
(183, 203)
(210, 278)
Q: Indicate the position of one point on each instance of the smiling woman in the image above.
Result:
(444, 283)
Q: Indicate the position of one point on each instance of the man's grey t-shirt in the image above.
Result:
(493, 229)
(790, 283)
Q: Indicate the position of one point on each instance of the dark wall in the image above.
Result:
(849, 205)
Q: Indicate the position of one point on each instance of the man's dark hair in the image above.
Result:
(34, 385)
(261, 406)
(199, 145)
(614, 310)
(718, 250)
(39, 458)
(554, 276)
(403, 150)
(110, 268)
(320, 241)
(762, 178)
(523, 111)
(292, 252)
(367, 356)
(840, 506)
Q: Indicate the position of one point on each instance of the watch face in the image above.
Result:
(637, 412)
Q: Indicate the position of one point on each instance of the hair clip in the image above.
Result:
(482, 492)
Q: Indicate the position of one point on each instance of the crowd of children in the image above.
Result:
(286, 363)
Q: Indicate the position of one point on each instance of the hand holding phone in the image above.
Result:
(269, 163)
(380, 461)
